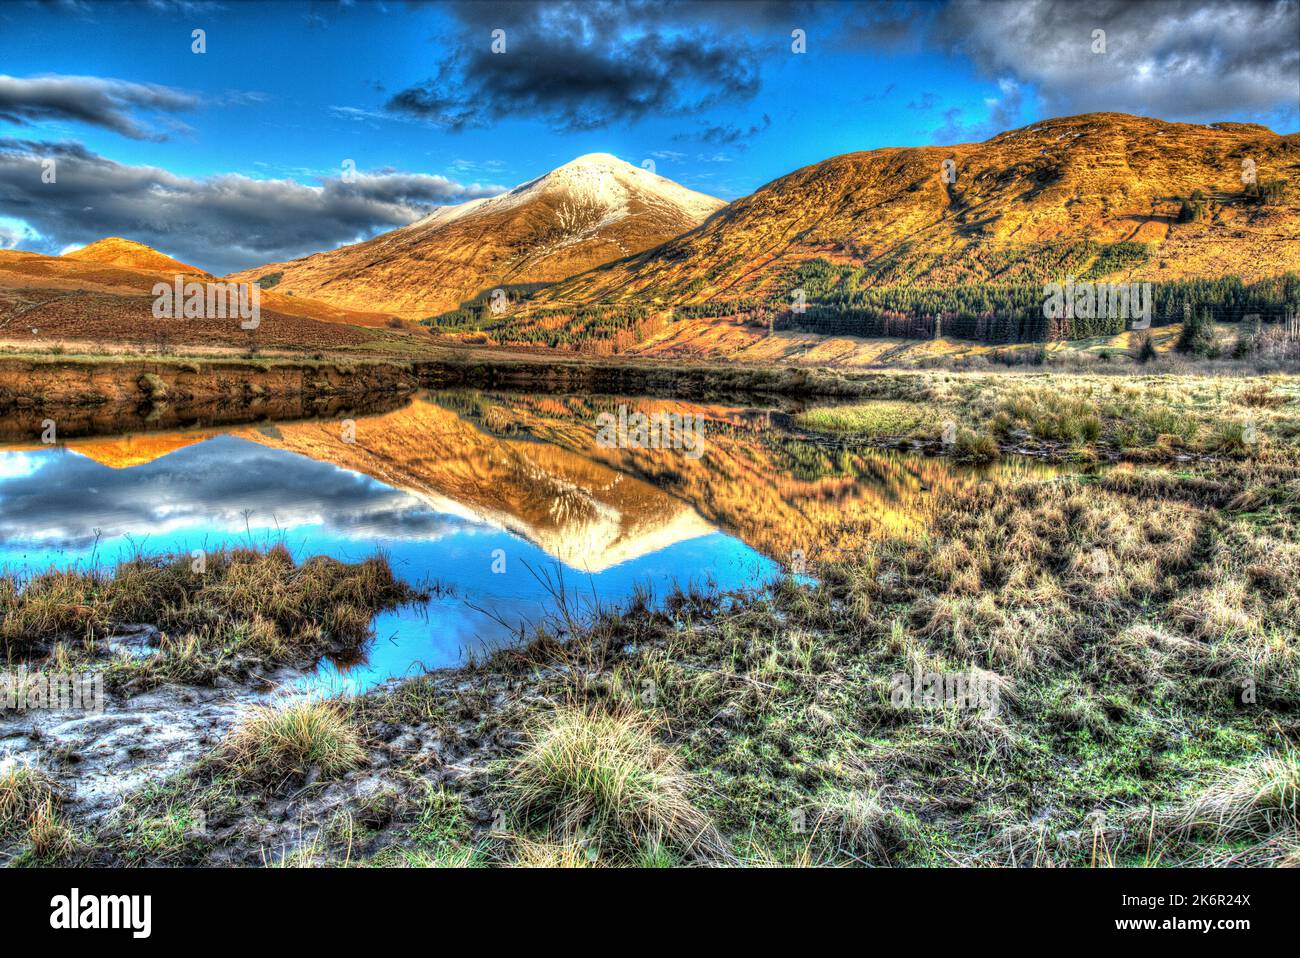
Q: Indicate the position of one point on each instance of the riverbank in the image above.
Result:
(100, 378)
(1130, 637)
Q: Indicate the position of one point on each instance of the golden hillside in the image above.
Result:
(1059, 184)
(70, 301)
(592, 210)
(115, 251)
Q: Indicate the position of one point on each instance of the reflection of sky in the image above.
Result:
(53, 501)
(58, 508)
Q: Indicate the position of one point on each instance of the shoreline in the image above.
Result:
(34, 380)
(435, 763)
(1051, 416)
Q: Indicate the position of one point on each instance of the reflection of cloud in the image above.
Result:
(221, 485)
(16, 464)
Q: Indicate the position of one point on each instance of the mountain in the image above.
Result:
(592, 210)
(1042, 202)
(115, 251)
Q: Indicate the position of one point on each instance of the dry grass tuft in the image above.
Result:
(272, 745)
(604, 775)
(23, 792)
(1258, 800)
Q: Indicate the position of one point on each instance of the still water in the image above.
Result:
(491, 496)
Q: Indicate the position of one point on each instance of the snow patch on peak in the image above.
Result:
(449, 214)
(596, 180)
(608, 160)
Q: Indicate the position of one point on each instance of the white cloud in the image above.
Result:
(1175, 59)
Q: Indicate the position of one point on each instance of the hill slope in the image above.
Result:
(65, 300)
(589, 211)
(115, 251)
(1032, 204)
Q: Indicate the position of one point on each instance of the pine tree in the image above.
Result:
(1197, 336)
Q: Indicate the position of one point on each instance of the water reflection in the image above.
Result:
(480, 492)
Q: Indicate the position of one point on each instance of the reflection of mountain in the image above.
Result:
(776, 494)
(531, 465)
(582, 512)
(123, 452)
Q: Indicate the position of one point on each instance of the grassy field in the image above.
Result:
(1095, 669)
(1080, 417)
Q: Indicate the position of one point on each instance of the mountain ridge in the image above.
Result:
(1104, 178)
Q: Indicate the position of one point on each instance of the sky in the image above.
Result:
(303, 126)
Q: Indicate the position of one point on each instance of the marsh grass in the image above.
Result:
(1049, 414)
(49, 835)
(1232, 439)
(1144, 418)
(554, 853)
(862, 825)
(1256, 800)
(972, 446)
(31, 818)
(1117, 616)
(244, 603)
(881, 418)
(24, 792)
(440, 857)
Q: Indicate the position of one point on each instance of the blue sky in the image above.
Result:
(233, 157)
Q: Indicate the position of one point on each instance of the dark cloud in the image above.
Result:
(727, 134)
(583, 65)
(221, 223)
(897, 26)
(1177, 59)
(111, 104)
(579, 65)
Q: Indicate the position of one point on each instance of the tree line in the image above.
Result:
(833, 303)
